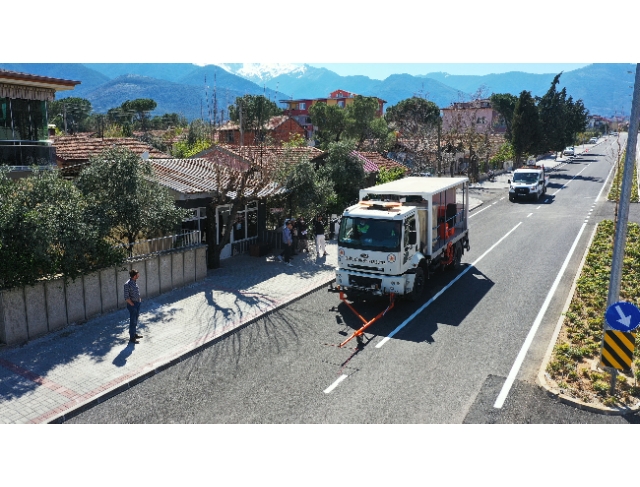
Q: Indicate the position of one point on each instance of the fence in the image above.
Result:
(32, 311)
(187, 238)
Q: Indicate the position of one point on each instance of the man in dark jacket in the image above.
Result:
(318, 230)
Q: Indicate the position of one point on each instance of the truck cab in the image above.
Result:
(400, 232)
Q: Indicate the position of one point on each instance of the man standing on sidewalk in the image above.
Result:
(132, 297)
(318, 230)
(287, 240)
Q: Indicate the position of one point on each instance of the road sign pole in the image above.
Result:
(620, 238)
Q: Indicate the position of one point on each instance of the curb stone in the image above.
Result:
(543, 374)
(145, 374)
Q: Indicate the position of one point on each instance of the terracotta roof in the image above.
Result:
(198, 178)
(76, 150)
(272, 124)
(374, 161)
(241, 156)
(15, 77)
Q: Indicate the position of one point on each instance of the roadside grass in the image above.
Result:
(616, 185)
(576, 355)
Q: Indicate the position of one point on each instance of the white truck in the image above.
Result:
(399, 233)
(528, 182)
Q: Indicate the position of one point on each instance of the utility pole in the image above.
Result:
(620, 237)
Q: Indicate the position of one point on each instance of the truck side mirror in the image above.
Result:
(413, 237)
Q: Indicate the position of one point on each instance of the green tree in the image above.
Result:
(140, 108)
(554, 118)
(48, 228)
(309, 192)
(122, 188)
(331, 122)
(346, 172)
(387, 175)
(69, 114)
(505, 104)
(360, 116)
(526, 137)
(252, 112)
(414, 117)
(417, 122)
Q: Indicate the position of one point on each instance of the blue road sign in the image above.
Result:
(623, 316)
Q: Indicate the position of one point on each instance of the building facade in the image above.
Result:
(476, 116)
(24, 135)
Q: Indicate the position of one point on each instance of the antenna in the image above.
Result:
(215, 99)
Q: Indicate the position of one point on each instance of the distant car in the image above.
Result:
(569, 152)
(614, 133)
(593, 140)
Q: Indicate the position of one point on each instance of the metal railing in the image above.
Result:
(141, 248)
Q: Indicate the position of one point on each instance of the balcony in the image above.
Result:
(25, 153)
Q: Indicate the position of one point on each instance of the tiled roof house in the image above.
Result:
(74, 151)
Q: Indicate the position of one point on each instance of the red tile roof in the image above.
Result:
(272, 124)
(74, 151)
(373, 161)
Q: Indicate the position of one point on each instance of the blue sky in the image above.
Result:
(382, 70)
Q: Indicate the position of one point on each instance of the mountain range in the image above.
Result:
(188, 89)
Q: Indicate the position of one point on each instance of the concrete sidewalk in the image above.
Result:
(81, 365)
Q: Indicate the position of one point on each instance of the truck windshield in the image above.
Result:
(370, 234)
(525, 177)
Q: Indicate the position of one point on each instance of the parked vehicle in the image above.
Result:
(569, 151)
(593, 140)
(528, 182)
(399, 233)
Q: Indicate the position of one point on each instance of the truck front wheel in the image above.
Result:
(418, 285)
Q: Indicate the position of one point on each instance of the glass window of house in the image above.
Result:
(6, 132)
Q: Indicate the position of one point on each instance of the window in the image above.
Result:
(341, 103)
(230, 137)
(302, 106)
(6, 132)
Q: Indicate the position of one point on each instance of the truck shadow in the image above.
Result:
(447, 308)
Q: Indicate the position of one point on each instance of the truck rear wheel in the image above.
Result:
(418, 285)
(457, 257)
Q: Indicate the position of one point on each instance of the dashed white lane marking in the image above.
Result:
(436, 296)
(335, 384)
(529, 215)
(502, 198)
(471, 216)
(539, 207)
(567, 183)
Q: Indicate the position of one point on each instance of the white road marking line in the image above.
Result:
(529, 215)
(539, 207)
(335, 384)
(502, 198)
(566, 184)
(471, 216)
(534, 328)
(424, 306)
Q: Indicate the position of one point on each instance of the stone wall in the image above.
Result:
(32, 311)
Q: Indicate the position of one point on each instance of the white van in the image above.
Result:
(593, 140)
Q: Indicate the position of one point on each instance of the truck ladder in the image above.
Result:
(358, 333)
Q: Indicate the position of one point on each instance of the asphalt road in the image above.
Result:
(448, 364)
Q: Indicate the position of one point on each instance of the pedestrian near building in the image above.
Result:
(132, 297)
(287, 240)
(319, 230)
(302, 235)
(295, 236)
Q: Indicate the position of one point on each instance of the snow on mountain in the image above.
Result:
(261, 72)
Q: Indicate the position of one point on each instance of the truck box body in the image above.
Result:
(400, 227)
